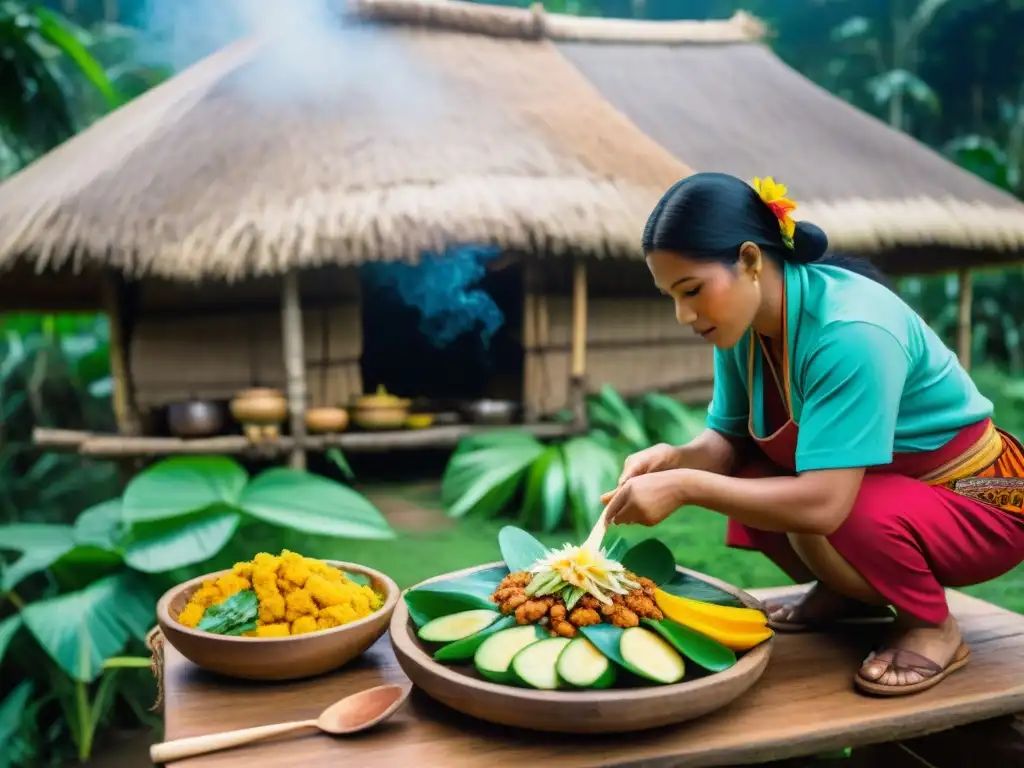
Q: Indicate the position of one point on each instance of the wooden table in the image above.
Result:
(804, 705)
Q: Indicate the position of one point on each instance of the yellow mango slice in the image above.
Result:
(737, 634)
(722, 613)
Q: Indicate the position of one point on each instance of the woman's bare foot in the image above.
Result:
(822, 606)
(918, 656)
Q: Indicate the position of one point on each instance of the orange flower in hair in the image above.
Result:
(774, 196)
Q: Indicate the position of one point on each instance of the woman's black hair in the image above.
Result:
(708, 216)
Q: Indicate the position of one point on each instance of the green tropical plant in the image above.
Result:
(93, 581)
(558, 484)
(37, 99)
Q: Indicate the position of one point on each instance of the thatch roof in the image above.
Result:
(431, 122)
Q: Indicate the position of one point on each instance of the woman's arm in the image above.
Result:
(710, 451)
(814, 502)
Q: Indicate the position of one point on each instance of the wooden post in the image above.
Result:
(578, 379)
(122, 398)
(963, 319)
(294, 367)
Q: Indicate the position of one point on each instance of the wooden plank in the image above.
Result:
(804, 705)
(117, 446)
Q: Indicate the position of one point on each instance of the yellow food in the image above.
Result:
(296, 595)
(739, 629)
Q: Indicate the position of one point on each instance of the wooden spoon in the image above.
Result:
(352, 714)
(597, 533)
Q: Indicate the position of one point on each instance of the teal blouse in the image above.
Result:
(868, 377)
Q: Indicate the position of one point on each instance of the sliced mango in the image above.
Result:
(738, 629)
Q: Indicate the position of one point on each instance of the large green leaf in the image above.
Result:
(8, 629)
(481, 482)
(100, 525)
(181, 485)
(313, 504)
(81, 630)
(181, 541)
(546, 495)
(480, 583)
(519, 549)
(669, 421)
(610, 412)
(12, 715)
(56, 30)
(591, 470)
(651, 559)
(40, 545)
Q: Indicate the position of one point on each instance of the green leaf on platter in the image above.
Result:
(591, 470)
(8, 629)
(614, 546)
(101, 525)
(480, 583)
(312, 504)
(519, 549)
(699, 648)
(482, 481)
(40, 546)
(427, 603)
(12, 714)
(606, 638)
(81, 630)
(651, 559)
(181, 541)
(685, 585)
(182, 485)
(546, 496)
(234, 616)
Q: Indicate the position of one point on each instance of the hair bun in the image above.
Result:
(809, 242)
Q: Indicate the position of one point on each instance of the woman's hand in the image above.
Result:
(657, 458)
(647, 499)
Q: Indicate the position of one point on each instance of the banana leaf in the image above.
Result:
(546, 496)
(684, 585)
(591, 470)
(482, 482)
(651, 559)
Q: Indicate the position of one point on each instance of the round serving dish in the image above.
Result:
(615, 710)
(276, 658)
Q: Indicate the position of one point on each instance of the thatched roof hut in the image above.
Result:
(428, 123)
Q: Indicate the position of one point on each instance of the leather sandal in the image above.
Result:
(911, 661)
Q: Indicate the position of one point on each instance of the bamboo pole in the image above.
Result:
(577, 381)
(963, 318)
(124, 411)
(294, 367)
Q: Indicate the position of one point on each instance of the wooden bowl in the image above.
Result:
(276, 658)
(613, 710)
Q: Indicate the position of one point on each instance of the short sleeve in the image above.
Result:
(729, 409)
(852, 385)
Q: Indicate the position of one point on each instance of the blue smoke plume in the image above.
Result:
(441, 288)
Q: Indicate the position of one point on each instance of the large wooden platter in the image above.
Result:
(607, 711)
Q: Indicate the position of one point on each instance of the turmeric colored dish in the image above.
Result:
(278, 596)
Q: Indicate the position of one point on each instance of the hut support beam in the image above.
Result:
(963, 318)
(294, 367)
(578, 380)
(122, 399)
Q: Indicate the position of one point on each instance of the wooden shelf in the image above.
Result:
(108, 446)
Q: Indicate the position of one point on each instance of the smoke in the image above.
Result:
(311, 53)
(441, 288)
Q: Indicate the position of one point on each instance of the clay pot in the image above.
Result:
(326, 420)
(381, 410)
(259, 406)
(194, 418)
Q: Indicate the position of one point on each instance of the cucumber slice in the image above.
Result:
(583, 666)
(493, 658)
(456, 626)
(535, 664)
(464, 649)
(650, 656)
